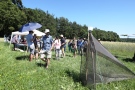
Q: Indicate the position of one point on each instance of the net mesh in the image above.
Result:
(99, 66)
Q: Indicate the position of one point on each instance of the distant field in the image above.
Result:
(1, 39)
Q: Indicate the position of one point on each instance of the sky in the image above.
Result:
(109, 15)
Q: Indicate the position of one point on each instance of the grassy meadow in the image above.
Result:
(17, 73)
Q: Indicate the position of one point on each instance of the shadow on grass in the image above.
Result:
(69, 55)
(128, 60)
(54, 58)
(22, 58)
(53, 55)
(77, 77)
(39, 64)
(116, 56)
(74, 75)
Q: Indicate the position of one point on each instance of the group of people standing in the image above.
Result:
(59, 46)
(77, 45)
(33, 47)
(47, 44)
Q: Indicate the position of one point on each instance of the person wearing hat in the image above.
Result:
(46, 47)
(63, 42)
(99, 39)
(31, 46)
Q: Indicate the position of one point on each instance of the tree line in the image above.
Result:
(14, 15)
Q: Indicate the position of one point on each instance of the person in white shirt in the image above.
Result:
(57, 45)
(15, 41)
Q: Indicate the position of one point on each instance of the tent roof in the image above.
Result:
(37, 32)
(19, 33)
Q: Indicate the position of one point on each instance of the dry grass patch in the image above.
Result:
(1, 39)
(120, 46)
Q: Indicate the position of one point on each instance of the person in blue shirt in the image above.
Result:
(31, 46)
(79, 43)
(84, 46)
(46, 47)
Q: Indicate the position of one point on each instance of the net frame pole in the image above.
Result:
(90, 42)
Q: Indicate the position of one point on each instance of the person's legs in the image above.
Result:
(56, 53)
(64, 48)
(14, 46)
(81, 50)
(73, 50)
(43, 57)
(36, 53)
(48, 57)
(31, 54)
(60, 53)
(63, 53)
(75, 53)
(69, 48)
(78, 48)
(47, 62)
(30, 57)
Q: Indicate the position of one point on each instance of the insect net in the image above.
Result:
(98, 65)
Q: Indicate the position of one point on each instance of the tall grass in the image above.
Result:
(124, 51)
(1, 39)
(120, 46)
(17, 73)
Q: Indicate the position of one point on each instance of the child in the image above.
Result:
(74, 47)
(57, 45)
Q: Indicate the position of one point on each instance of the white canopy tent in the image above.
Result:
(37, 32)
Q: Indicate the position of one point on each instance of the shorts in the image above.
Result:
(36, 51)
(78, 48)
(62, 49)
(74, 50)
(47, 54)
(31, 50)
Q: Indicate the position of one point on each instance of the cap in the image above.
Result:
(47, 30)
(61, 35)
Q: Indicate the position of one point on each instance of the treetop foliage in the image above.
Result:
(14, 15)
